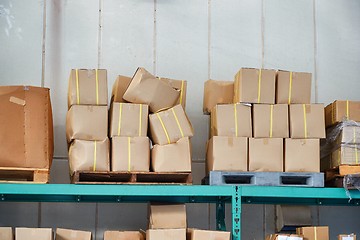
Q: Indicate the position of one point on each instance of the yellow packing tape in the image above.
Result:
(129, 154)
(271, 120)
(140, 120)
(97, 86)
(181, 91)
(259, 86)
(347, 110)
(77, 86)
(290, 87)
(163, 126)
(235, 119)
(178, 123)
(95, 155)
(305, 121)
(315, 233)
(120, 116)
(333, 112)
(356, 151)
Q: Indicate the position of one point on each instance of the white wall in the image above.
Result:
(182, 39)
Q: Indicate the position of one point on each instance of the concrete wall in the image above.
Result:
(40, 41)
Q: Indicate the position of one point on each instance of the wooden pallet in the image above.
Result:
(339, 182)
(89, 177)
(341, 171)
(24, 175)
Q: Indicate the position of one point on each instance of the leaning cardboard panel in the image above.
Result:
(88, 87)
(314, 233)
(302, 155)
(293, 87)
(174, 157)
(290, 216)
(6, 233)
(231, 120)
(89, 155)
(217, 92)
(339, 111)
(128, 120)
(307, 121)
(33, 234)
(255, 86)
(69, 234)
(26, 127)
(169, 126)
(227, 154)
(197, 234)
(347, 237)
(179, 85)
(348, 154)
(147, 89)
(166, 234)
(87, 122)
(120, 85)
(130, 154)
(266, 154)
(167, 216)
(123, 235)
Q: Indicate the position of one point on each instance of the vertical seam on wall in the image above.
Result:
(315, 52)
(262, 34)
(264, 221)
(39, 212)
(100, 33)
(209, 39)
(96, 219)
(155, 36)
(43, 46)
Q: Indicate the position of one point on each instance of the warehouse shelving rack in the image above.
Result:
(219, 195)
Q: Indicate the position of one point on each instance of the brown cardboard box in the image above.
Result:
(169, 126)
(284, 237)
(314, 233)
(231, 120)
(86, 122)
(120, 85)
(349, 154)
(340, 133)
(307, 121)
(266, 155)
(217, 92)
(347, 237)
(196, 234)
(88, 87)
(69, 234)
(166, 234)
(339, 111)
(271, 120)
(293, 87)
(144, 88)
(167, 216)
(255, 86)
(130, 154)
(175, 157)
(33, 234)
(89, 155)
(179, 85)
(129, 120)
(123, 235)
(6, 233)
(26, 127)
(227, 154)
(302, 155)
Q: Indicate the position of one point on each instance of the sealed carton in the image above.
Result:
(231, 120)
(69, 234)
(86, 122)
(284, 237)
(6, 233)
(347, 237)
(302, 155)
(307, 121)
(314, 233)
(120, 85)
(348, 154)
(339, 111)
(123, 235)
(128, 120)
(293, 87)
(166, 234)
(89, 155)
(33, 234)
(227, 154)
(167, 216)
(270, 121)
(26, 127)
(174, 157)
(266, 155)
(130, 154)
(196, 234)
(145, 88)
(179, 85)
(217, 92)
(169, 126)
(88, 87)
(255, 86)
(343, 133)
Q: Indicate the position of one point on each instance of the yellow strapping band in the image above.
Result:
(290, 87)
(347, 110)
(339, 157)
(163, 126)
(356, 151)
(140, 120)
(129, 154)
(120, 116)
(97, 86)
(305, 121)
(271, 120)
(259, 86)
(235, 119)
(77, 86)
(181, 91)
(94, 166)
(333, 112)
(315, 234)
(177, 122)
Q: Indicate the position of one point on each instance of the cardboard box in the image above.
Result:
(314, 233)
(86, 122)
(145, 88)
(349, 154)
(69, 234)
(307, 121)
(26, 127)
(302, 155)
(169, 126)
(167, 216)
(6, 233)
(343, 133)
(196, 234)
(179, 85)
(175, 157)
(266, 155)
(255, 86)
(33, 234)
(130, 154)
(217, 92)
(123, 235)
(227, 154)
(166, 234)
(128, 120)
(89, 155)
(88, 87)
(271, 121)
(339, 111)
(293, 87)
(231, 120)
(284, 237)
(120, 85)
(347, 237)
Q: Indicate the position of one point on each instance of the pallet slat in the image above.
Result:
(341, 171)
(24, 175)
